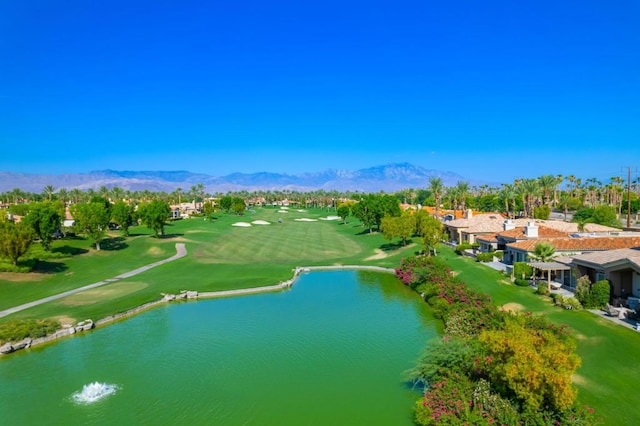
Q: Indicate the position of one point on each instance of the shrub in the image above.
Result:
(522, 270)
(12, 331)
(543, 288)
(522, 283)
(499, 254)
(566, 302)
(485, 257)
(600, 294)
(542, 212)
(583, 290)
(460, 248)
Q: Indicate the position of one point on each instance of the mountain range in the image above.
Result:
(388, 178)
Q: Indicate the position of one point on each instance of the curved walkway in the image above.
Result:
(181, 251)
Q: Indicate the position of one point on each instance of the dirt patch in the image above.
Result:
(379, 255)
(64, 320)
(16, 277)
(512, 307)
(109, 291)
(155, 251)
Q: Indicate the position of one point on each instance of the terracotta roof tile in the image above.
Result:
(580, 244)
(543, 232)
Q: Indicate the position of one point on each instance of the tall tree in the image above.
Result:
(155, 215)
(92, 219)
(122, 214)
(48, 192)
(463, 192)
(547, 185)
(45, 219)
(402, 227)
(15, 239)
(437, 188)
(430, 230)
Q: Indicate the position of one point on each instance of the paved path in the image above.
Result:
(181, 251)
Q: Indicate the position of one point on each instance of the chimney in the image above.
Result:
(508, 225)
(531, 230)
(469, 214)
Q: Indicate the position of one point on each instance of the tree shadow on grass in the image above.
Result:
(113, 244)
(46, 267)
(394, 246)
(169, 236)
(69, 251)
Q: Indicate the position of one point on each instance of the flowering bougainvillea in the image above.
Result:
(494, 388)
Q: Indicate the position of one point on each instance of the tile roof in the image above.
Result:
(488, 238)
(543, 232)
(579, 244)
(494, 222)
(611, 256)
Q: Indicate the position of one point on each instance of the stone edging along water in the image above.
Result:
(183, 295)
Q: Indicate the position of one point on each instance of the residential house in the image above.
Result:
(570, 246)
(620, 267)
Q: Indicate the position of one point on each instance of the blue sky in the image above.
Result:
(491, 90)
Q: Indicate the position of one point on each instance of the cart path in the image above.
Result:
(181, 251)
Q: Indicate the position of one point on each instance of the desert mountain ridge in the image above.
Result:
(388, 178)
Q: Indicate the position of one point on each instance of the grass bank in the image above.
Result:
(220, 257)
(608, 377)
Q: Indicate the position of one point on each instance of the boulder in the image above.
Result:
(169, 297)
(192, 294)
(181, 296)
(7, 348)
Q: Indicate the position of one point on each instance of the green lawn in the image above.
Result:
(608, 377)
(220, 257)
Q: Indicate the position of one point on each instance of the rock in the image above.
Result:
(19, 345)
(181, 296)
(192, 294)
(7, 348)
(169, 297)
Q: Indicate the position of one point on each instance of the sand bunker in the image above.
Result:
(243, 224)
(282, 211)
(304, 219)
(331, 218)
(301, 210)
(260, 222)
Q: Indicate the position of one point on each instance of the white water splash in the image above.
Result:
(94, 392)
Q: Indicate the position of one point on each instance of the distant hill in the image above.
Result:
(388, 178)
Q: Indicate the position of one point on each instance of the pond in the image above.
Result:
(331, 350)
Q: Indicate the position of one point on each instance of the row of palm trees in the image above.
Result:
(534, 192)
(520, 197)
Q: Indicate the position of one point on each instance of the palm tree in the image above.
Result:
(463, 192)
(506, 194)
(48, 192)
(544, 252)
(547, 184)
(63, 195)
(559, 179)
(436, 186)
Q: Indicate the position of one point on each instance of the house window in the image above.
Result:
(599, 275)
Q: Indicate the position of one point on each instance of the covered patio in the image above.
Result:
(557, 274)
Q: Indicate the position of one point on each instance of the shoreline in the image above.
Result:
(183, 295)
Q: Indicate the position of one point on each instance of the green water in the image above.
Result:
(330, 351)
